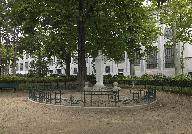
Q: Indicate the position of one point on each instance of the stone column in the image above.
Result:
(126, 72)
(143, 67)
(160, 55)
(160, 46)
(143, 63)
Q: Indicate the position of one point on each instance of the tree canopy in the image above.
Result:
(177, 14)
(61, 28)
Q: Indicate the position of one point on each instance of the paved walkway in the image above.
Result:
(171, 115)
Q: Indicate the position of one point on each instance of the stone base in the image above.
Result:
(98, 87)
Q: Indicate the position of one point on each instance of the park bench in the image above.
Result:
(8, 85)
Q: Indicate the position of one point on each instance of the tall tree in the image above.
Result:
(49, 16)
(9, 33)
(111, 26)
(177, 14)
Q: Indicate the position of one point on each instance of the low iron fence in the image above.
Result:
(176, 86)
(91, 98)
(100, 98)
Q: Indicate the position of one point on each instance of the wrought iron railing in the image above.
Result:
(90, 98)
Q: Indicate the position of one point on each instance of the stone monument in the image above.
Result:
(99, 65)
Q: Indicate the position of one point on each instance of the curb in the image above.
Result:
(96, 108)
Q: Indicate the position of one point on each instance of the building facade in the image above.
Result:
(159, 62)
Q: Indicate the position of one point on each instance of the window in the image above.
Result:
(75, 71)
(27, 56)
(17, 67)
(169, 58)
(31, 63)
(75, 60)
(105, 59)
(120, 71)
(121, 59)
(94, 71)
(26, 65)
(152, 60)
(137, 62)
(58, 60)
(137, 59)
(86, 59)
(168, 32)
(107, 69)
(51, 62)
(58, 71)
(21, 66)
(51, 71)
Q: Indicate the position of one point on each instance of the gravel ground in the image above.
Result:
(172, 114)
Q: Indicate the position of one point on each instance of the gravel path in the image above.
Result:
(171, 115)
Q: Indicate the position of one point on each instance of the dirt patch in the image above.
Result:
(170, 115)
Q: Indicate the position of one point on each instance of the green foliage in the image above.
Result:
(25, 78)
(123, 27)
(177, 15)
(10, 78)
(179, 12)
(180, 84)
(128, 26)
(153, 77)
(9, 35)
(3, 55)
(39, 67)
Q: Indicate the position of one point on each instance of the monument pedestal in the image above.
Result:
(98, 87)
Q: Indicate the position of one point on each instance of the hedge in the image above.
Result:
(177, 84)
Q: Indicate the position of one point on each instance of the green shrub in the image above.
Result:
(178, 84)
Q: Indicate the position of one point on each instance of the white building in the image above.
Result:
(161, 62)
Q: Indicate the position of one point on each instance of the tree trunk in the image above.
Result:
(68, 62)
(0, 53)
(16, 32)
(7, 60)
(81, 47)
(132, 72)
(14, 60)
(176, 52)
(182, 59)
(39, 68)
(0, 62)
